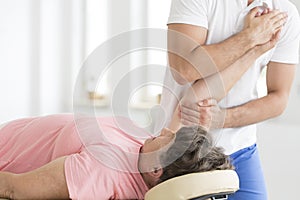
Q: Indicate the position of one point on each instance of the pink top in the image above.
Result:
(98, 166)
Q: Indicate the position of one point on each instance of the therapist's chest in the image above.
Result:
(227, 17)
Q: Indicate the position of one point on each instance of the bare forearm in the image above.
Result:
(280, 78)
(255, 111)
(218, 85)
(47, 182)
(201, 61)
(5, 185)
(192, 60)
(230, 50)
(175, 124)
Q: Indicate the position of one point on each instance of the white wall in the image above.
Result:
(278, 141)
(14, 58)
(40, 53)
(279, 147)
(296, 2)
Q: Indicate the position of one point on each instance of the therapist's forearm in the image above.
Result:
(255, 111)
(230, 50)
(218, 85)
(201, 61)
(189, 58)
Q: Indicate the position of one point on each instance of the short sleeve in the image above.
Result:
(287, 49)
(87, 178)
(192, 12)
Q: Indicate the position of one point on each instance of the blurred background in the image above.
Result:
(44, 43)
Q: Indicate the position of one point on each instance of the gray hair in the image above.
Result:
(195, 152)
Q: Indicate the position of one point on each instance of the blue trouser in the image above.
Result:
(248, 167)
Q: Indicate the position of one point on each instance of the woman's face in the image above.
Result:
(166, 137)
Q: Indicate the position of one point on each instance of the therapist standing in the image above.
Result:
(227, 30)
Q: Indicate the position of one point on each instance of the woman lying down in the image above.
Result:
(58, 157)
(47, 158)
(53, 157)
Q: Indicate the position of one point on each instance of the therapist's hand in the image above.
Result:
(263, 27)
(206, 113)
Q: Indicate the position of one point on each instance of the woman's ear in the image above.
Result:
(156, 173)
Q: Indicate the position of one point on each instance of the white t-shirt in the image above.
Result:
(224, 18)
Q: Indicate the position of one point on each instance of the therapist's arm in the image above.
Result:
(47, 182)
(214, 87)
(279, 81)
(188, 58)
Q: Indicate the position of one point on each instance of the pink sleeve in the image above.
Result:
(87, 178)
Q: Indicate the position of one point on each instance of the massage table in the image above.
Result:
(213, 185)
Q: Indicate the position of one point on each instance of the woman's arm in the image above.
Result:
(47, 182)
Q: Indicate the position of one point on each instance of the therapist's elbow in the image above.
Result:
(280, 109)
(280, 105)
(183, 72)
(181, 75)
